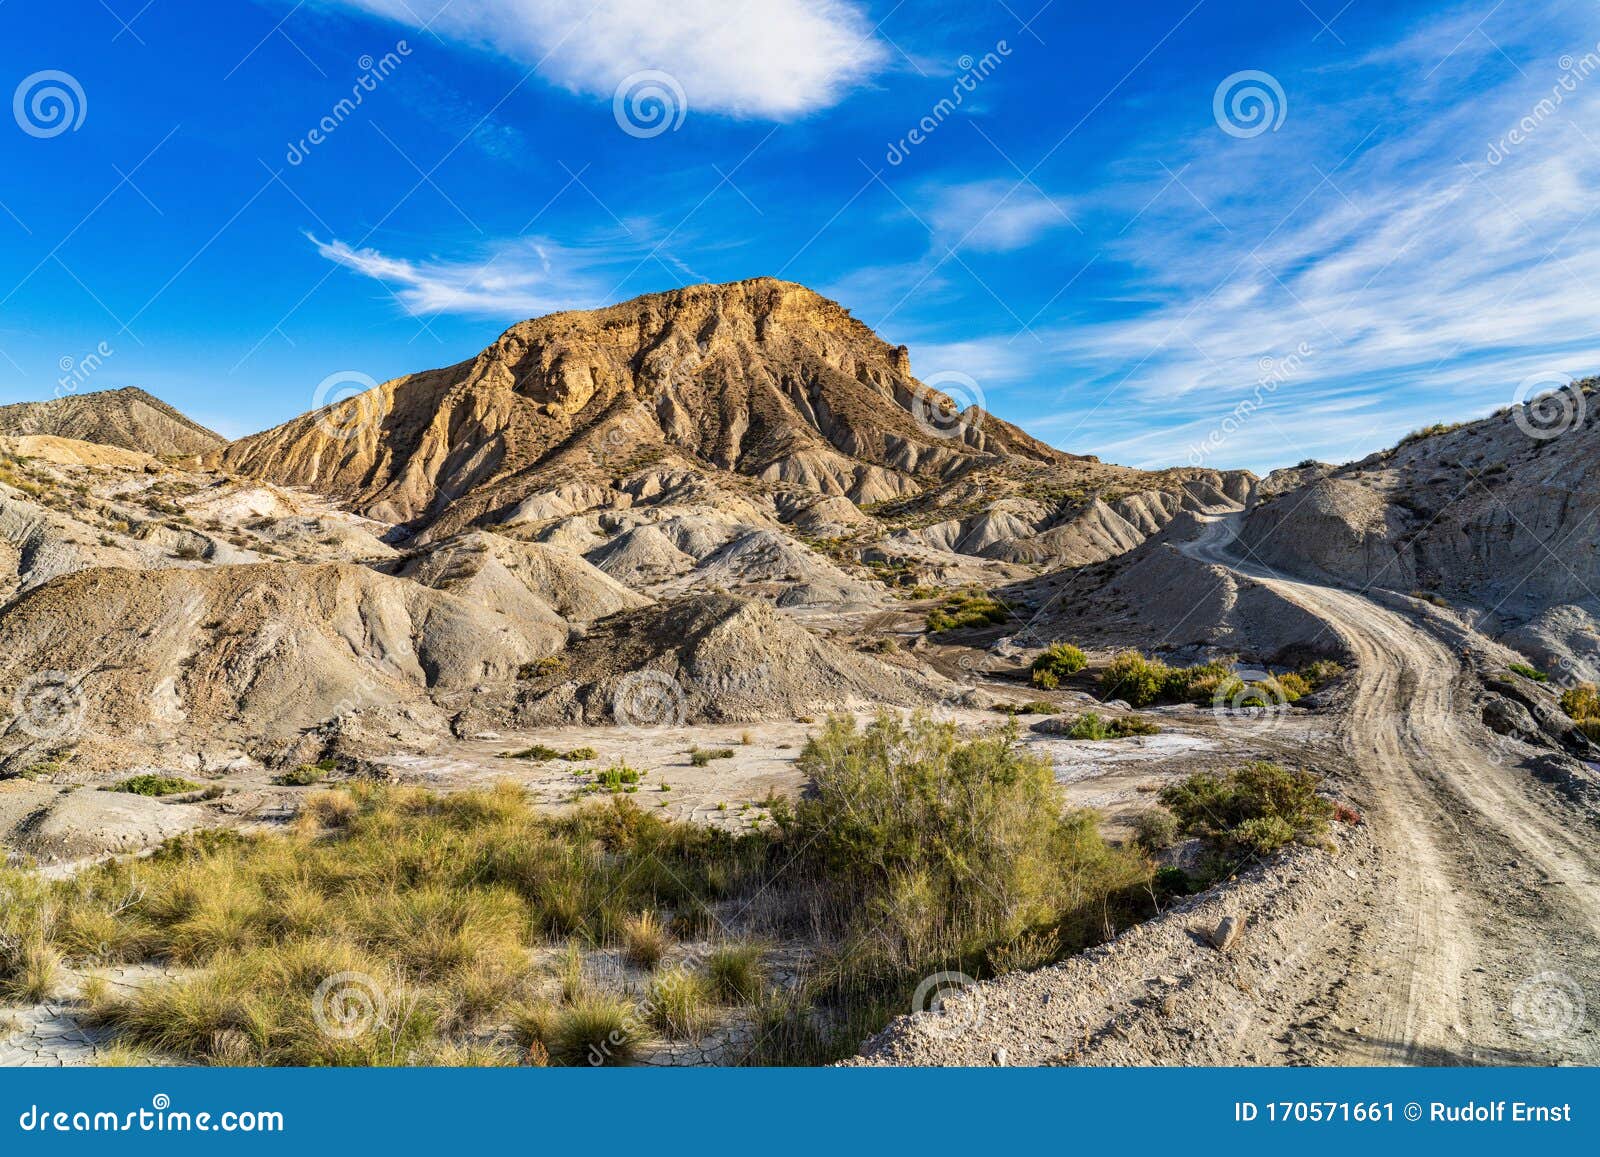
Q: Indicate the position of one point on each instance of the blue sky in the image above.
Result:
(1120, 241)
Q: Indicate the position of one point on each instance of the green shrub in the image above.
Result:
(1058, 661)
(595, 1030)
(306, 774)
(735, 973)
(541, 668)
(1032, 707)
(1155, 830)
(950, 847)
(1255, 809)
(541, 753)
(1529, 672)
(154, 785)
(1322, 671)
(645, 940)
(971, 608)
(1134, 679)
(1292, 685)
(1090, 725)
(1581, 702)
(701, 756)
(679, 1002)
(617, 778)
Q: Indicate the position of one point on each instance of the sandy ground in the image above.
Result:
(1460, 924)
(1116, 777)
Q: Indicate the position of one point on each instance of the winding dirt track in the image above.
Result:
(1482, 939)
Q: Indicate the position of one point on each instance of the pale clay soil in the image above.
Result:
(1453, 926)
(1459, 925)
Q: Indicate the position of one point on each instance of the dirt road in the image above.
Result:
(1461, 926)
(1489, 901)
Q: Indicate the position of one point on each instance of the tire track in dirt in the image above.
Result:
(1488, 881)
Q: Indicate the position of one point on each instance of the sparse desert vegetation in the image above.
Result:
(438, 906)
(155, 785)
(1091, 725)
(1142, 682)
(1057, 662)
(1254, 809)
(967, 609)
(1582, 705)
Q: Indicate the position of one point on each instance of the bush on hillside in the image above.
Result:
(1254, 809)
(1057, 662)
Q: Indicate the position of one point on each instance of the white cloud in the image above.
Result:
(519, 280)
(772, 59)
(995, 216)
(1425, 278)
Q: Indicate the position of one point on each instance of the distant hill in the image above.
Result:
(129, 418)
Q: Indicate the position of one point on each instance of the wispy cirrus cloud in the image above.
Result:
(1396, 230)
(509, 281)
(775, 60)
(993, 216)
